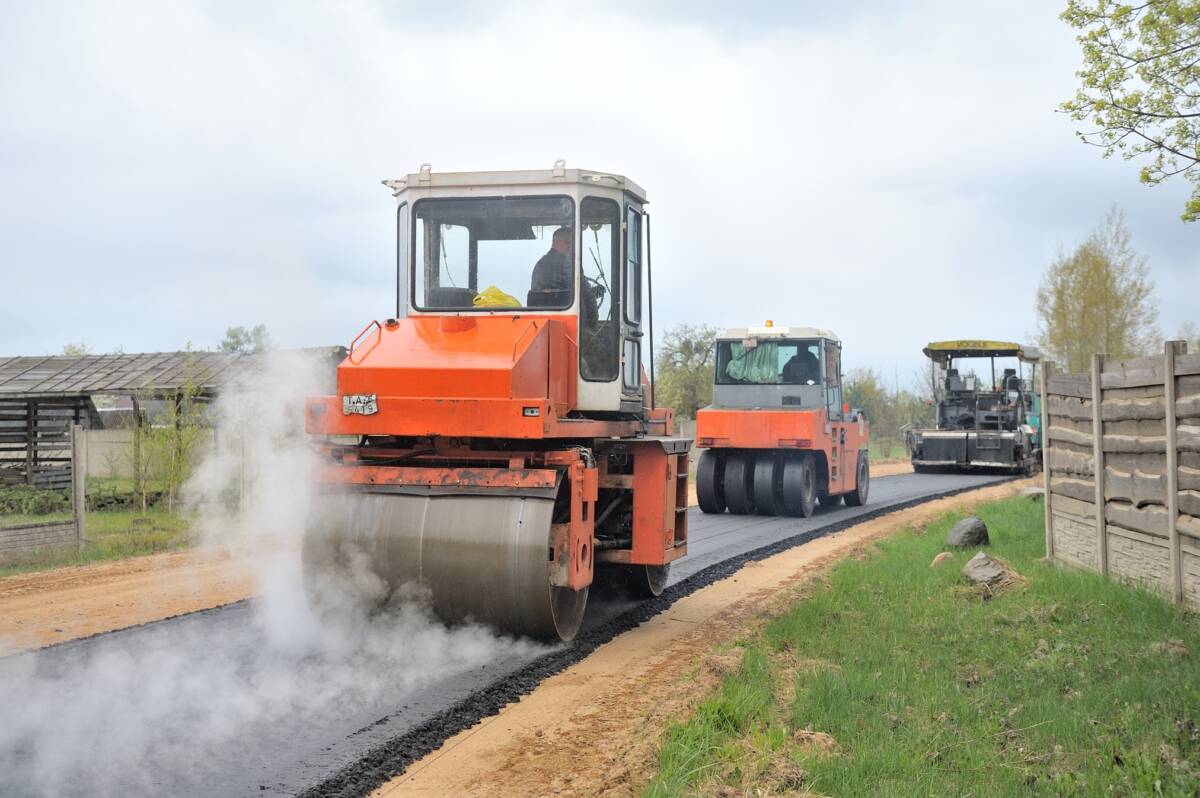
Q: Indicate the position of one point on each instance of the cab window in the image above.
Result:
(494, 253)
(599, 315)
(633, 265)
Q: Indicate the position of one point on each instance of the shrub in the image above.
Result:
(31, 500)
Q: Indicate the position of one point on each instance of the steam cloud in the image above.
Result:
(161, 709)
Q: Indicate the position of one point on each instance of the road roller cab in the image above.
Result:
(493, 431)
(778, 437)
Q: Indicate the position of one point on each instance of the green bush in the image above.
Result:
(118, 495)
(30, 500)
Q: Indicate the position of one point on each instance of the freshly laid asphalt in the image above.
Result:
(210, 704)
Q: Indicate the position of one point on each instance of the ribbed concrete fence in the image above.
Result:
(1122, 469)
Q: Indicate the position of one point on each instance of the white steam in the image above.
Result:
(216, 703)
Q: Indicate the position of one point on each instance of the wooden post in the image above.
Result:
(242, 470)
(30, 441)
(1098, 458)
(78, 482)
(1044, 424)
(1169, 352)
(136, 456)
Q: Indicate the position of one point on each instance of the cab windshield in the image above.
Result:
(494, 254)
(774, 362)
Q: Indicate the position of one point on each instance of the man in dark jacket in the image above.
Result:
(553, 271)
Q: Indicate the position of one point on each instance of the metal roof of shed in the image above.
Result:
(158, 373)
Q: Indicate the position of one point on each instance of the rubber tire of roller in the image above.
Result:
(862, 483)
(739, 483)
(799, 487)
(768, 485)
(710, 482)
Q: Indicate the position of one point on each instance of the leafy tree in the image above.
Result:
(1190, 332)
(864, 389)
(1140, 85)
(1097, 299)
(888, 411)
(684, 377)
(239, 339)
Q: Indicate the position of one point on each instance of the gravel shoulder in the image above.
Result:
(593, 729)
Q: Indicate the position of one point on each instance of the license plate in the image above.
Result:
(359, 404)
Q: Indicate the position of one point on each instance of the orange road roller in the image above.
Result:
(495, 444)
(778, 438)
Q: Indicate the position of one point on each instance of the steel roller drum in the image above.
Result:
(481, 557)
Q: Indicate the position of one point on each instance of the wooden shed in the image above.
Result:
(41, 397)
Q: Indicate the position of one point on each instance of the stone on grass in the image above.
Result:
(941, 558)
(968, 532)
(983, 570)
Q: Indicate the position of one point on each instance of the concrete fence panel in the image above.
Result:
(1122, 469)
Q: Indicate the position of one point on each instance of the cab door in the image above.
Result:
(631, 317)
(843, 462)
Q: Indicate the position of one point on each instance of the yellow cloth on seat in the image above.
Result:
(493, 297)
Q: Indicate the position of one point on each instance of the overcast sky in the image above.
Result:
(173, 168)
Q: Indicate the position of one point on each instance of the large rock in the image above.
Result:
(983, 570)
(968, 532)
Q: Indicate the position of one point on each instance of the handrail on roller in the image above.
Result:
(357, 338)
(516, 343)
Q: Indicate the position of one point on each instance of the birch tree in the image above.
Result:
(1099, 298)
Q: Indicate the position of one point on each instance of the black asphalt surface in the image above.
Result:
(248, 699)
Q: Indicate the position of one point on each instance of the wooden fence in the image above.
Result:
(35, 440)
(1122, 469)
(14, 539)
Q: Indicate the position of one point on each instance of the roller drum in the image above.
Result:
(483, 558)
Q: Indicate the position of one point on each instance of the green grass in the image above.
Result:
(887, 449)
(20, 519)
(1056, 688)
(112, 535)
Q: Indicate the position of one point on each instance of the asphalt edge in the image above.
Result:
(392, 757)
(108, 632)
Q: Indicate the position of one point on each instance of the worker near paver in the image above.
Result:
(553, 271)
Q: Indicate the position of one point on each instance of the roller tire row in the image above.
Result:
(764, 483)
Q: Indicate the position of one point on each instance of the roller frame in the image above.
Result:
(437, 483)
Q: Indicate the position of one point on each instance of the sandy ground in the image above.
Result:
(891, 468)
(594, 728)
(38, 609)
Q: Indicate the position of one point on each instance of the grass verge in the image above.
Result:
(112, 535)
(896, 679)
(887, 450)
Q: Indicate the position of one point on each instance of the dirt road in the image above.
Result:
(594, 728)
(46, 607)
